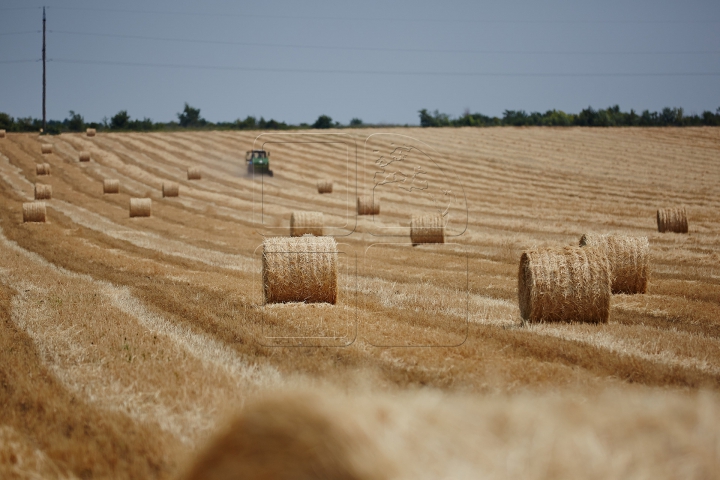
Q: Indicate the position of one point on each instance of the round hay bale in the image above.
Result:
(46, 148)
(304, 223)
(111, 185)
(672, 220)
(629, 259)
(2, 133)
(84, 156)
(42, 169)
(90, 132)
(194, 173)
(299, 269)
(34, 212)
(170, 189)
(140, 207)
(43, 192)
(427, 229)
(368, 205)
(570, 284)
(325, 186)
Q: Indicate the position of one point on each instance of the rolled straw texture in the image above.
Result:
(570, 284)
(46, 148)
(194, 173)
(629, 259)
(90, 132)
(34, 212)
(84, 156)
(43, 192)
(42, 169)
(427, 229)
(170, 189)
(367, 205)
(303, 223)
(2, 133)
(111, 185)
(140, 207)
(299, 269)
(325, 186)
(672, 220)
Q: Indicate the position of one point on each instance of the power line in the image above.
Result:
(19, 61)
(19, 33)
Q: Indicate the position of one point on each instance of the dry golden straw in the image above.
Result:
(299, 269)
(43, 192)
(34, 212)
(367, 205)
(629, 259)
(111, 185)
(42, 169)
(84, 156)
(170, 189)
(427, 229)
(46, 148)
(90, 132)
(325, 186)
(2, 133)
(194, 173)
(303, 223)
(672, 220)
(570, 284)
(140, 207)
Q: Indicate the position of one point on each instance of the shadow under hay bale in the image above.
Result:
(46, 148)
(306, 223)
(194, 173)
(170, 189)
(42, 169)
(570, 284)
(367, 205)
(43, 192)
(427, 229)
(629, 259)
(84, 156)
(34, 212)
(111, 185)
(90, 132)
(325, 186)
(299, 269)
(672, 220)
(140, 207)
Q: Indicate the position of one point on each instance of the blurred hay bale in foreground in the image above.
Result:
(43, 192)
(111, 185)
(325, 186)
(368, 205)
(194, 173)
(170, 189)
(34, 212)
(42, 169)
(140, 207)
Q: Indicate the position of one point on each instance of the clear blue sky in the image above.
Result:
(379, 61)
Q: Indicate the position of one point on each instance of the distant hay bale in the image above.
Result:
(427, 229)
(140, 207)
(629, 259)
(299, 269)
(84, 156)
(368, 205)
(90, 132)
(34, 212)
(570, 284)
(170, 189)
(194, 173)
(43, 192)
(46, 148)
(325, 186)
(111, 185)
(672, 220)
(303, 223)
(2, 133)
(42, 169)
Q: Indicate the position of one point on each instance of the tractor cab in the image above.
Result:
(258, 161)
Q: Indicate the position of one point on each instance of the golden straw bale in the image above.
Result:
(325, 186)
(140, 207)
(368, 205)
(43, 192)
(302, 223)
(42, 169)
(46, 148)
(570, 284)
(90, 132)
(84, 156)
(2, 133)
(170, 189)
(34, 212)
(111, 185)
(427, 229)
(299, 269)
(629, 259)
(194, 173)
(672, 220)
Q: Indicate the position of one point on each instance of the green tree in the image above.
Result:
(323, 121)
(75, 122)
(356, 122)
(190, 117)
(121, 120)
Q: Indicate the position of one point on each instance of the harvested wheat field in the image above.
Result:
(144, 348)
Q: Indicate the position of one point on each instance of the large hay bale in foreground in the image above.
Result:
(34, 212)
(304, 223)
(194, 173)
(170, 189)
(84, 156)
(90, 132)
(629, 259)
(140, 207)
(427, 229)
(672, 220)
(299, 269)
(42, 169)
(46, 148)
(43, 192)
(325, 186)
(368, 205)
(111, 185)
(570, 284)
(2, 133)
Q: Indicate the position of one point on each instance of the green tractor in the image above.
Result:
(258, 161)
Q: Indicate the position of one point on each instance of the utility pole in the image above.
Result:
(44, 117)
